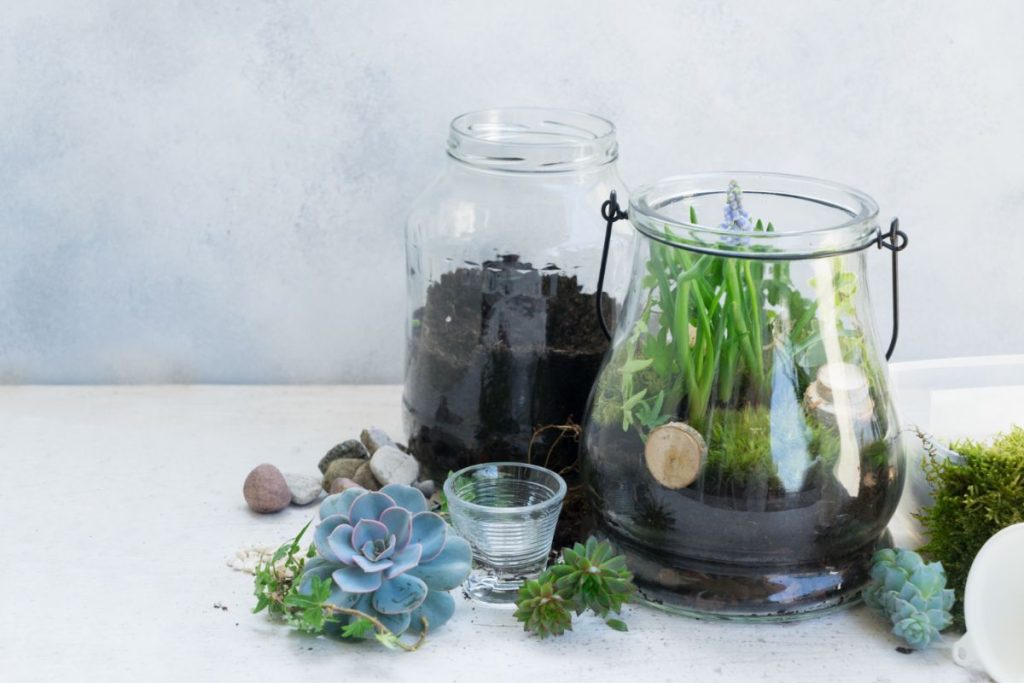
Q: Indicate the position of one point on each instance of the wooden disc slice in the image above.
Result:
(674, 453)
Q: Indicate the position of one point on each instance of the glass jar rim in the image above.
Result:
(532, 139)
(556, 499)
(855, 229)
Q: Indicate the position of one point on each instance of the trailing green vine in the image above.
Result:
(276, 591)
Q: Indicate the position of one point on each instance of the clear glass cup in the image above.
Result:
(507, 511)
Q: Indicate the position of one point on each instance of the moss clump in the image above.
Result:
(974, 499)
(742, 453)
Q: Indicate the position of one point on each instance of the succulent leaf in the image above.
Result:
(542, 609)
(437, 608)
(449, 568)
(596, 580)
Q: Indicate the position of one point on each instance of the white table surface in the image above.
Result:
(121, 505)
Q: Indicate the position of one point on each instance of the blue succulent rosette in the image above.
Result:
(912, 593)
(388, 557)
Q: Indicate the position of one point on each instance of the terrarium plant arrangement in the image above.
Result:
(741, 427)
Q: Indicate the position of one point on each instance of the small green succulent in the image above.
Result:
(589, 577)
(542, 609)
(594, 578)
(912, 594)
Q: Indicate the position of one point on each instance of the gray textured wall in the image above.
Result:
(215, 191)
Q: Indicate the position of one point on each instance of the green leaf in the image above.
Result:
(617, 624)
(359, 628)
(634, 399)
(636, 365)
(280, 553)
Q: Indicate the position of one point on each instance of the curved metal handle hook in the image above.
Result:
(611, 212)
(895, 241)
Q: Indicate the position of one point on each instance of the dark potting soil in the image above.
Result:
(497, 352)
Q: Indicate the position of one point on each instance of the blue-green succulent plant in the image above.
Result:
(387, 557)
(912, 594)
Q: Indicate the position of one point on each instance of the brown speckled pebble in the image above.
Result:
(341, 483)
(351, 449)
(343, 468)
(265, 489)
(364, 477)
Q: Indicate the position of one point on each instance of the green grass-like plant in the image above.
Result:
(974, 499)
(705, 346)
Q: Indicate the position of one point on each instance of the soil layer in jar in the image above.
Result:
(496, 353)
(750, 553)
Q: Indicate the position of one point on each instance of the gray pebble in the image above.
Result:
(346, 467)
(353, 448)
(375, 437)
(364, 477)
(305, 488)
(426, 487)
(391, 466)
(265, 489)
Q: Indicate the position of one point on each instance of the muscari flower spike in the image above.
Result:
(387, 557)
(912, 594)
(734, 217)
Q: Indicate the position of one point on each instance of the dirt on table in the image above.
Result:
(497, 352)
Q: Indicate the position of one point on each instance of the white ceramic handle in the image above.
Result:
(963, 653)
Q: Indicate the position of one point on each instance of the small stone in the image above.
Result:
(266, 490)
(342, 483)
(375, 437)
(353, 448)
(346, 467)
(426, 487)
(364, 477)
(391, 466)
(305, 488)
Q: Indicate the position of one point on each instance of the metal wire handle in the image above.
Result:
(895, 241)
(611, 212)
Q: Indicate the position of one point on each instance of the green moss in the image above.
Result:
(741, 456)
(740, 452)
(973, 500)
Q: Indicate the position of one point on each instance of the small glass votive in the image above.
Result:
(507, 512)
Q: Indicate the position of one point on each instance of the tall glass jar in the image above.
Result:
(503, 251)
(741, 445)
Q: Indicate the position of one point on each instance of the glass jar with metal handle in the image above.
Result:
(741, 444)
